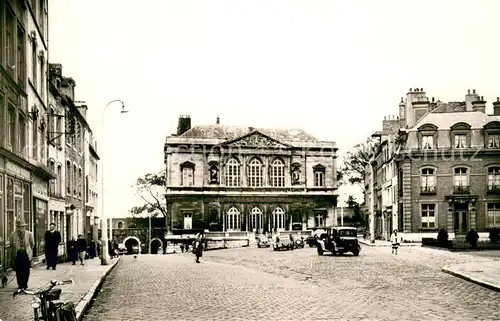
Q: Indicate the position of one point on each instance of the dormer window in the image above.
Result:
(492, 134)
(494, 141)
(427, 142)
(427, 136)
(460, 141)
(460, 136)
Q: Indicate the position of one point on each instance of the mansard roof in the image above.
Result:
(445, 120)
(228, 132)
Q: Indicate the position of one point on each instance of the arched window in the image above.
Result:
(279, 218)
(233, 173)
(233, 219)
(255, 173)
(277, 173)
(120, 224)
(256, 219)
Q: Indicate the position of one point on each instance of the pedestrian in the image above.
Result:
(472, 237)
(22, 244)
(182, 248)
(198, 247)
(82, 248)
(395, 241)
(92, 249)
(72, 250)
(52, 241)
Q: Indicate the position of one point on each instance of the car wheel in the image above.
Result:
(320, 251)
(355, 253)
(258, 245)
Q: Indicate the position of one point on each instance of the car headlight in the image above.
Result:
(35, 303)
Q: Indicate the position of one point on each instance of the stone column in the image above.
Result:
(472, 214)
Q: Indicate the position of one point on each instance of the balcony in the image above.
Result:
(428, 190)
(493, 189)
(461, 189)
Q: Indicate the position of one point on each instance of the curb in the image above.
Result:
(466, 277)
(389, 245)
(85, 303)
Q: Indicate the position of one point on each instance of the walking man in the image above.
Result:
(198, 247)
(52, 241)
(22, 244)
(82, 248)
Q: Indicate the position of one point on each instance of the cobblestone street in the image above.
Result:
(256, 284)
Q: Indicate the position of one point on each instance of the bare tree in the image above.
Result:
(355, 161)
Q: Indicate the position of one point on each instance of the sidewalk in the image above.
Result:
(87, 278)
(486, 274)
(381, 243)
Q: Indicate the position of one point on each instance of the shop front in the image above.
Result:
(15, 203)
(40, 213)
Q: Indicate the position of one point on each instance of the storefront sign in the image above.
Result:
(40, 186)
(17, 170)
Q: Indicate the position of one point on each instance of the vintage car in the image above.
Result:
(263, 241)
(282, 243)
(339, 240)
(311, 239)
(299, 241)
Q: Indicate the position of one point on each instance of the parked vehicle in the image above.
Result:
(45, 307)
(282, 243)
(339, 240)
(299, 241)
(263, 241)
(311, 240)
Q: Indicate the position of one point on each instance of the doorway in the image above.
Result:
(155, 246)
(461, 218)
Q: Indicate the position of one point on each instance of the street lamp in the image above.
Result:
(372, 202)
(105, 259)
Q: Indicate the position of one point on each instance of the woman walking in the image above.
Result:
(72, 250)
(82, 248)
(395, 241)
(198, 247)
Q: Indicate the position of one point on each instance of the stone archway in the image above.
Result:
(155, 245)
(133, 245)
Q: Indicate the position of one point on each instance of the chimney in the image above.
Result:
(184, 125)
(496, 107)
(218, 120)
(402, 112)
(479, 105)
(469, 98)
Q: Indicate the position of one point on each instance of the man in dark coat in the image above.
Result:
(52, 241)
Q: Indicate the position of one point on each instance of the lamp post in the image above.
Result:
(342, 216)
(372, 203)
(105, 259)
(149, 239)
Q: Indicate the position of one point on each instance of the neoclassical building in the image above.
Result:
(245, 179)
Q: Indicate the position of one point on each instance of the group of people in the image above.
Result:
(23, 243)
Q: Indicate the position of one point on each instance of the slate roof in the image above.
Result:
(227, 132)
(444, 120)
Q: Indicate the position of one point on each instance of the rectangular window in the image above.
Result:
(21, 57)
(42, 78)
(80, 182)
(35, 139)
(68, 178)
(11, 127)
(59, 181)
(427, 142)
(75, 182)
(493, 177)
(319, 179)
(33, 63)
(461, 178)
(187, 176)
(58, 130)
(86, 189)
(461, 141)
(428, 215)
(52, 183)
(27, 205)
(493, 215)
(493, 140)
(3, 134)
(22, 135)
(10, 219)
(61, 227)
(41, 17)
(10, 35)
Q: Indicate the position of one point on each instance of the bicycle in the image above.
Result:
(45, 307)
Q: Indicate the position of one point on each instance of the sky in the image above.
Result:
(332, 68)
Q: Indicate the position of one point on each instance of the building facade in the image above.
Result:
(92, 186)
(448, 166)
(243, 179)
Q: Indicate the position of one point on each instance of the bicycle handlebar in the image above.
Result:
(44, 288)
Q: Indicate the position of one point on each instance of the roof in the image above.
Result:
(445, 120)
(228, 132)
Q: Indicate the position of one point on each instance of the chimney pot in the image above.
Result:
(468, 91)
(402, 100)
(421, 89)
(432, 99)
(473, 91)
(498, 98)
(482, 99)
(410, 90)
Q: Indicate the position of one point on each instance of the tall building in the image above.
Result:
(244, 179)
(92, 186)
(448, 166)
